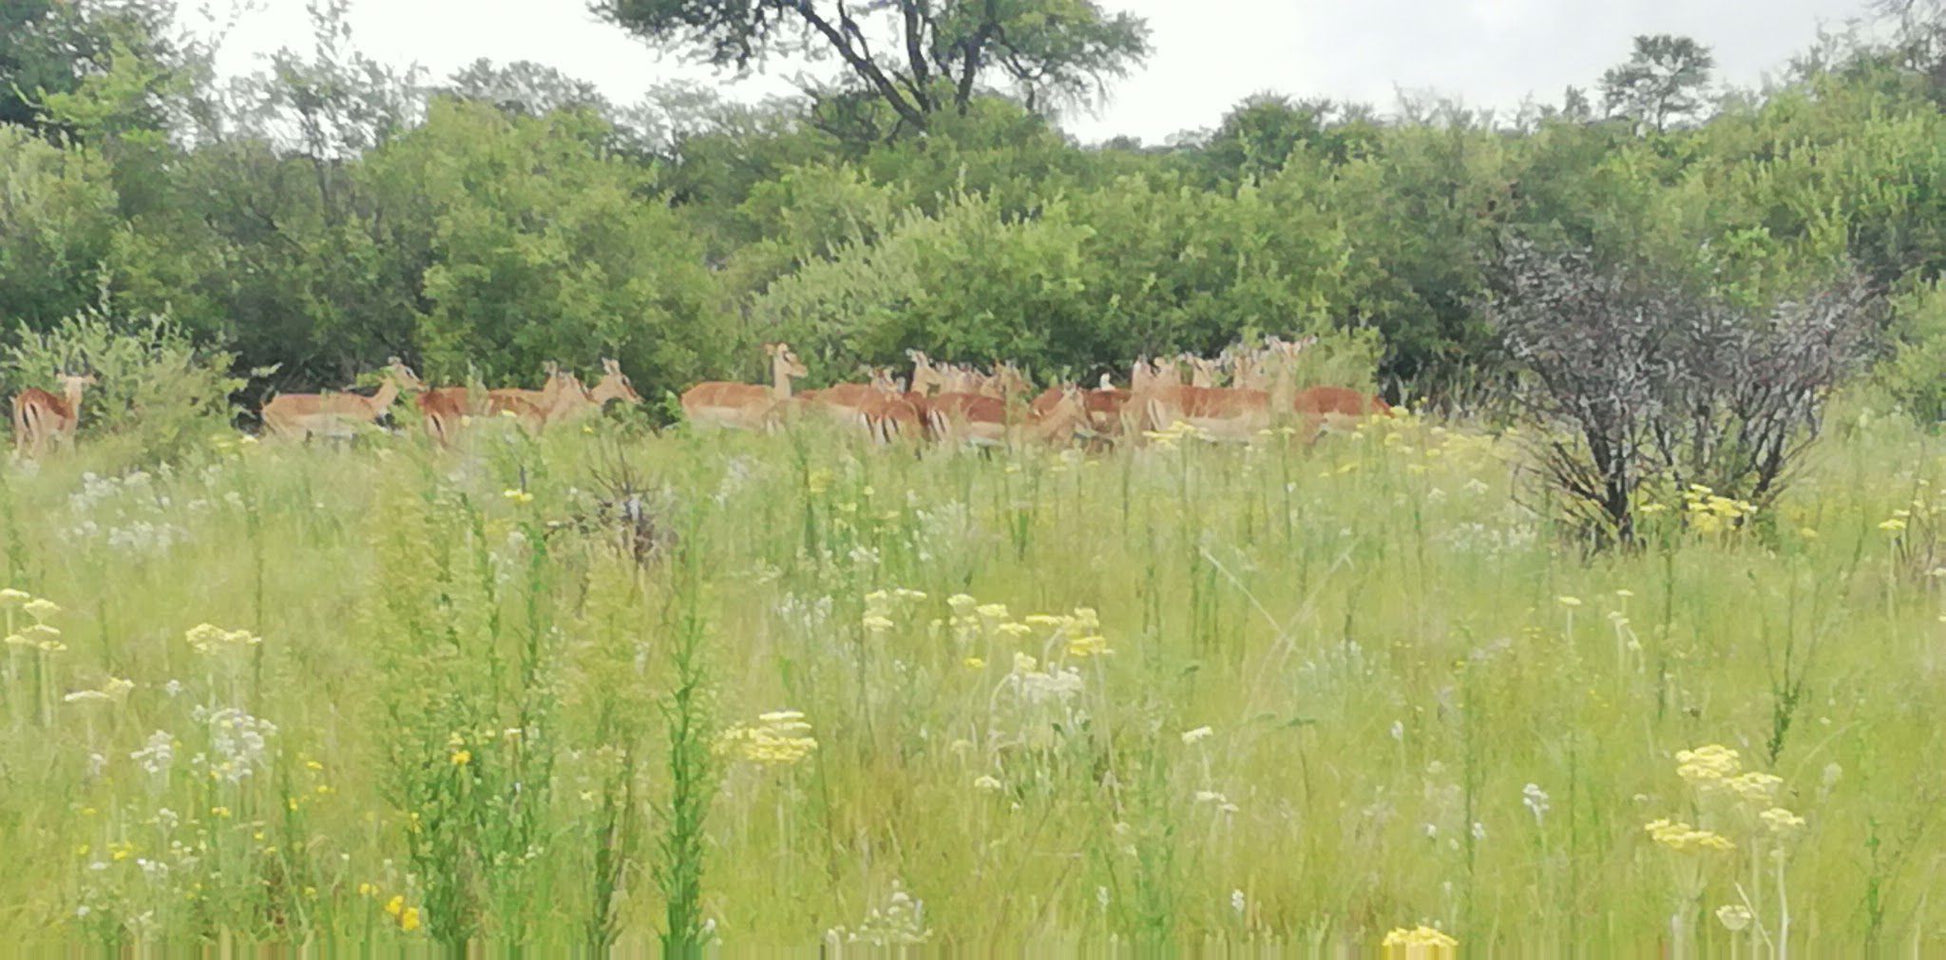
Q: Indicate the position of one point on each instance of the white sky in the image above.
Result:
(1208, 53)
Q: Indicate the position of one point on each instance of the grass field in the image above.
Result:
(803, 692)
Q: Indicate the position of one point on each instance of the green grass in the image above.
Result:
(485, 706)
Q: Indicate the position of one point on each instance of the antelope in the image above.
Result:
(847, 402)
(966, 418)
(1202, 372)
(1006, 383)
(1319, 407)
(576, 401)
(927, 378)
(532, 407)
(745, 406)
(445, 409)
(896, 414)
(41, 417)
(337, 414)
(1222, 413)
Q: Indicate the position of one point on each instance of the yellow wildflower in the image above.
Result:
(409, 919)
(1782, 822)
(1893, 525)
(517, 496)
(975, 663)
(1756, 788)
(396, 905)
(1090, 646)
(1422, 941)
(461, 758)
(1683, 838)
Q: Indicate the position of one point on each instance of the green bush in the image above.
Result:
(156, 387)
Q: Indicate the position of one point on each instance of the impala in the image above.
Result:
(846, 403)
(41, 417)
(968, 418)
(1319, 407)
(745, 406)
(896, 415)
(927, 378)
(300, 415)
(576, 401)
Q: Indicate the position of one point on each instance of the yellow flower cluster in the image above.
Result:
(880, 605)
(1177, 432)
(1420, 941)
(406, 917)
(1782, 822)
(1710, 765)
(1709, 512)
(1717, 770)
(41, 635)
(1079, 632)
(780, 738)
(115, 690)
(206, 638)
(1683, 838)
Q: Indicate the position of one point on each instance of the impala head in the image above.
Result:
(614, 385)
(784, 360)
(1009, 379)
(74, 382)
(403, 375)
(925, 376)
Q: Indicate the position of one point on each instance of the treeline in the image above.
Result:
(328, 212)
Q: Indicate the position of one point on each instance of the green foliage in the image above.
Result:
(544, 248)
(159, 392)
(1663, 80)
(1057, 291)
(1915, 374)
(58, 222)
(946, 50)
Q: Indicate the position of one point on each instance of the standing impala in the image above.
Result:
(41, 417)
(300, 415)
(745, 406)
(446, 408)
(576, 401)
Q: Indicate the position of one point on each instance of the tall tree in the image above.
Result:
(1662, 81)
(919, 56)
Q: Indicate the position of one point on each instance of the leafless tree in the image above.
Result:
(1635, 378)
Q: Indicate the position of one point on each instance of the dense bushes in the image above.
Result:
(326, 215)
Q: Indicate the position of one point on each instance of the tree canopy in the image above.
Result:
(919, 57)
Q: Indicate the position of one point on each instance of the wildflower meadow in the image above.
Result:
(609, 689)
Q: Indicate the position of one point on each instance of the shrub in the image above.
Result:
(1639, 379)
(157, 387)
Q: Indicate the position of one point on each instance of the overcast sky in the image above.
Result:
(1208, 53)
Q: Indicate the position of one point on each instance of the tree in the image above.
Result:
(49, 47)
(1647, 384)
(920, 57)
(1662, 81)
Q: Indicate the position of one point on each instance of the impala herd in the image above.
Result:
(958, 405)
(952, 404)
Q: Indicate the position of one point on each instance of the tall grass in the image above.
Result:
(1287, 696)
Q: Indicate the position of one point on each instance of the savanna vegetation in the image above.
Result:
(1622, 630)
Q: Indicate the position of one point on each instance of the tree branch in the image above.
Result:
(863, 65)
